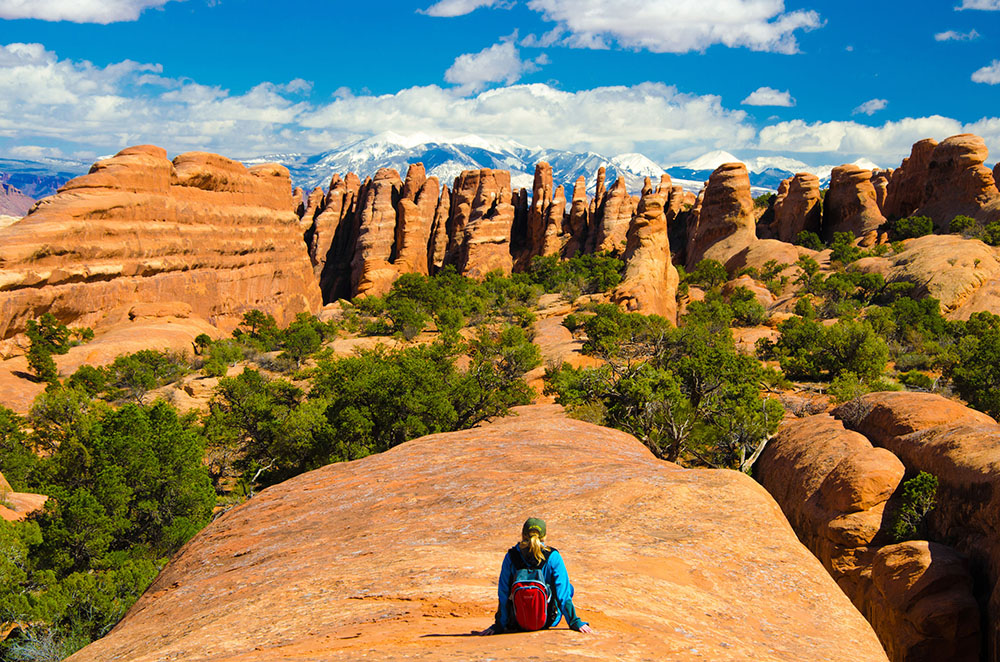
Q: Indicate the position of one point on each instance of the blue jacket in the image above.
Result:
(558, 581)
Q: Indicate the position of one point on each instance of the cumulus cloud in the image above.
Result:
(989, 74)
(870, 107)
(500, 63)
(449, 8)
(988, 5)
(768, 96)
(675, 27)
(600, 119)
(78, 11)
(952, 35)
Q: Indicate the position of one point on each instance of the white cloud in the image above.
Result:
(870, 107)
(78, 11)
(675, 27)
(599, 119)
(768, 96)
(34, 152)
(952, 35)
(988, 5)
(989, 74)
(449, 8)
(500, 63)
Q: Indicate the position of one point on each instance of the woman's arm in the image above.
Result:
(503, 594)
(564, 591)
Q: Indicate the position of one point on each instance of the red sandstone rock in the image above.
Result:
(579, 219)
(539, 211)
(946, 267)
(961, 447)
(851, 203)
(798, 208)
(331, 241)
(487, 231)
(439, 235)
(929, 584)
(834, 488)
(905, 193)
(13, 202)
(725, 222)
(313, 206)
(203, 230)
(371, 269)
(650, 281)
(396, 556)
(959, 183)
(613, 219)
(417, 207)
(880, 181)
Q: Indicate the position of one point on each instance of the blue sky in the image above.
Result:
(819, 82)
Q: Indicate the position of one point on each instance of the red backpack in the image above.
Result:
(531, 598)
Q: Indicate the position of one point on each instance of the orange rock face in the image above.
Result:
(579, 219)
(396, 556)
(650, 280)
(837, 491)
(906, 190)
(486, 224)
(962, 448)
(203, 230)
(612, 219)
(959, 183)
(798, 207)
(851, 203)
(725, 223)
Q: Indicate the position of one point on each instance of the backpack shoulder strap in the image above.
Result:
(516, 559)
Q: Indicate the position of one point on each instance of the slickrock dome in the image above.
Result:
(396, 556)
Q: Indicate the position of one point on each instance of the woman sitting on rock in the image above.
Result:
(534, 588)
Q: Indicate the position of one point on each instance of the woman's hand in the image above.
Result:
(586, 629)
(488, 631)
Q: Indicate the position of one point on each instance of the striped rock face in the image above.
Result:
(202, 231)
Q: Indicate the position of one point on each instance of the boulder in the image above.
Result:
(203, 230)
(961, 447)
(959, 183)
(396, 556)
(836, 489)
(16, 506)
(725, 222)
(650, 281)
(851, 203)
(905, 193)
(946, 267)
(798, 207)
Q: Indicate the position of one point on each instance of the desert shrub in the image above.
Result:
(806, 349)
(221, 355)
(919, 496)
(47, 336)
(17, 460)
(131, 376)
(709, 274)
(685, 392)
(962, 224)
(810, 240)
(842, 248)
(916, 379)
(975, 372)
(909, 227)
(746, 309)
(585, 274)
(991, 233)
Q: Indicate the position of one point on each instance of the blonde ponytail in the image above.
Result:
(535, 546)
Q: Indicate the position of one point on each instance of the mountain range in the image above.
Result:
(446, 158)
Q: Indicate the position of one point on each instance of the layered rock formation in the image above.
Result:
(959, 183)
(798, 207)
(851, 203)
(13, 202)
(612, 216)
(483, 226)
(650, 281)
(905, 193)
(837, 491)
(724, 222)
(962, 448)
(396, 556)
(963, 274)
(202, 230)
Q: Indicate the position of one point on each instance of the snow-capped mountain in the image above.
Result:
(766, 172)
(38, 179)
(446, 158)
